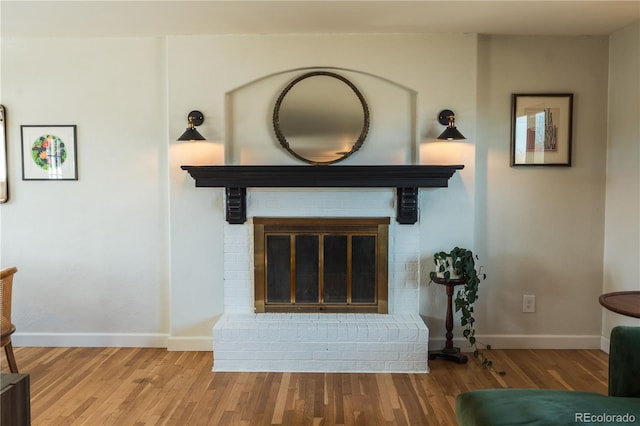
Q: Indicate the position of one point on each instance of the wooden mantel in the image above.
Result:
(406, 180)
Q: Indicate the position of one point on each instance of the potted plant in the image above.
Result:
(460, 264)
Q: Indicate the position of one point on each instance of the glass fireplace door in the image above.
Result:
(310, 268)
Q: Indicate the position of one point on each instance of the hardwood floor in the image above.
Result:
(125, 386)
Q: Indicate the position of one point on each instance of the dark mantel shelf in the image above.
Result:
(407, 180)
(322, 176)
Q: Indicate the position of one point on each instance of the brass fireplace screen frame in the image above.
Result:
(377, 227)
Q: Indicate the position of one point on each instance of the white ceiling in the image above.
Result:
(183, 17)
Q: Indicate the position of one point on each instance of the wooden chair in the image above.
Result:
(7, 327)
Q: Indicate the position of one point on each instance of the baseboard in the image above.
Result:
(521, 341)
(200, 344)
(205, 343)
(90, 340)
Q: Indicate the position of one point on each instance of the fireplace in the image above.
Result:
(320, 264)
(247, 339)
(315, 340)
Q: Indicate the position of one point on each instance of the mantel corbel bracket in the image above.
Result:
(236, 205)
(406, 202)
(407, 205)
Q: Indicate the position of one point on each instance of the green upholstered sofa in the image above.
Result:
(545, 407)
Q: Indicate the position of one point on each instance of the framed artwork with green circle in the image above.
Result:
(49, 152)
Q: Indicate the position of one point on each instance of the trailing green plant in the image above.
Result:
(463, 264)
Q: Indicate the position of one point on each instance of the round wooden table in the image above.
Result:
(622, 302)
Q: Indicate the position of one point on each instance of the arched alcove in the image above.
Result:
(251, 139)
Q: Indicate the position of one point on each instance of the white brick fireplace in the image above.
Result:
(380, 180)
(321, 342)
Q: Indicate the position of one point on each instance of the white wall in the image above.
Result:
(622, 224)
(92, 254)
(540, 230)
(136, 253)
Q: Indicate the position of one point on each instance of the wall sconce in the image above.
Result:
(191, 134)
(448, 118)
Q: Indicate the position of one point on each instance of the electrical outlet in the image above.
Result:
(528, 303)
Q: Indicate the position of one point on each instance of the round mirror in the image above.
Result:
(321, 118)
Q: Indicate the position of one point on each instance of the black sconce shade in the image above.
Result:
(448, 118)
(191, 134)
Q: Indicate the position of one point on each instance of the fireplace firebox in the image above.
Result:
(321, 264)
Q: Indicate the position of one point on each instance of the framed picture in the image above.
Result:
(49, 152)
(4, 184)
(541, 129)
